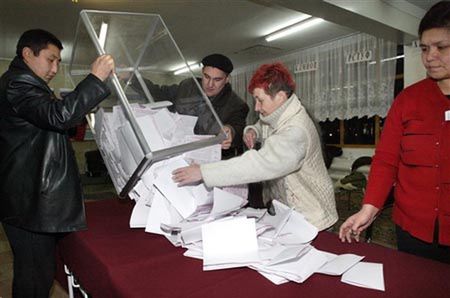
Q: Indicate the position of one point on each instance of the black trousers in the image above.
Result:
(34, 261)
(412, 245)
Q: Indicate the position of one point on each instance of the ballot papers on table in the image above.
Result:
(224, 235)
(229, 243)
(366, 275)
(211, 223)
(290, 226)
(219, 243)
(338, 264)
(184, 199)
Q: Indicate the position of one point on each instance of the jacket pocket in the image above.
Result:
(417, 144)
(416, 126)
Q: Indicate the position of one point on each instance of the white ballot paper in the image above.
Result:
(291, 227)
(151, 134)
(192, 235)
(252, 212)
(241, 190)
(229, 242)
(165, 124)
(366, 275)
(194, 252)
(140, 213)
(298, 269)
(268, 251)
(185, 126)
(289, 254)
(161, 212)
(180, 197)
(225, 202)
(338, 264)
(202, 155)
(130, 150)
(278, 280)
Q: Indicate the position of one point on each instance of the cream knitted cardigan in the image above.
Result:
(289, 162)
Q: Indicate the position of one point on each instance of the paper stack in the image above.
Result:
(212, 223)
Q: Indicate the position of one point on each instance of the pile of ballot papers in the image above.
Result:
(212, 224)
(161, 129)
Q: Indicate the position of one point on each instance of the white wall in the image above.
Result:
(413, 68)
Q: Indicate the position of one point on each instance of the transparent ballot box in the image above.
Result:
(138, 125)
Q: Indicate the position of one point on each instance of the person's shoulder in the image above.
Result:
(187, 85)
(417, 91)
(23, 77)
(420, 86)
(236, 98)
(187, 82)
(295, 132)
(298, 121)
(295, 120)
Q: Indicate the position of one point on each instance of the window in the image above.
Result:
(360, 132)
(355, 132)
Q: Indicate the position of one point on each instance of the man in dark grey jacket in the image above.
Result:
(187, 99)
(40, 190)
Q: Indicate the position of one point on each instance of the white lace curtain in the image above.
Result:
(335, 88)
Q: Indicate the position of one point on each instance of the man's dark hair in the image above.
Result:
(438, 16)
(37, 40)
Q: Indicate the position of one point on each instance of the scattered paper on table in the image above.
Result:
(366, 275)
(230, 241)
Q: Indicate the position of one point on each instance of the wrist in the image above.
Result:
(370, 210)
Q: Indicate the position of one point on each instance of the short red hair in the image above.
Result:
(272, 78)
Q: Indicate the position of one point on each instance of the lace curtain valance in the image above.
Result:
(352, 76)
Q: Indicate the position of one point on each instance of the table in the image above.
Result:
(112, 260)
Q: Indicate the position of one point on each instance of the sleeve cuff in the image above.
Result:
(251, 127)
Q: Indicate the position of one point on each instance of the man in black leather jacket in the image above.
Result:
(40, 191)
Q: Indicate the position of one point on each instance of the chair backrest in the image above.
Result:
(361, 161)
(356, 179)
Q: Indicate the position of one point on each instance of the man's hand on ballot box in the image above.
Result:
(226, 144)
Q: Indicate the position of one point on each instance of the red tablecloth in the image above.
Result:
(112, 260)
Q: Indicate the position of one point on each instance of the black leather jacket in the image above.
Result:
(40, 186)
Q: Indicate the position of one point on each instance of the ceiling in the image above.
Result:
(235, 28)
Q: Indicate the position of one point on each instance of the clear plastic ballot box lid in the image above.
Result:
(135, 127)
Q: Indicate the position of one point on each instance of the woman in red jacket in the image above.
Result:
(414, 153)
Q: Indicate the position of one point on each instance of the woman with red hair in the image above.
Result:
(290, 161)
